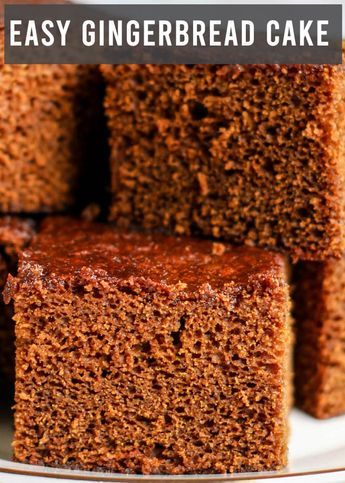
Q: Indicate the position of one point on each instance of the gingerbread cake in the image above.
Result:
(253, 154)
(320, 351)
(149, 354)
(15, 233)
(49, 162)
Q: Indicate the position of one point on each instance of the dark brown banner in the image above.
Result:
(173, 34)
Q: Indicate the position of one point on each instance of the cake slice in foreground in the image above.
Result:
(320, 349)
(15, 234)
(149, 354)
(252, 154)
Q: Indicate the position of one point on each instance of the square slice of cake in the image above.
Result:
(149, 354)
(253, 154)
(320, 349)
(50, 124)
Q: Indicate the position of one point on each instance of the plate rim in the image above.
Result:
(62, 473)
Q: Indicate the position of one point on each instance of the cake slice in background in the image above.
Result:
(149, 354)
(320, 352)
(253, 154)
(52, 137)
(15, 234)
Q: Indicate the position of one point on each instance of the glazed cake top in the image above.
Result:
(67, 248)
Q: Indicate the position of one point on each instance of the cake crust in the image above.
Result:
(15, 234)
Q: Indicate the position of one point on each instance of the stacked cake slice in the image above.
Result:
(48, 114)
(251, 154)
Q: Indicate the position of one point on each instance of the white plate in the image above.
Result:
(316, 447)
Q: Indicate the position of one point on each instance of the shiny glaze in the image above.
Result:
(67, 248)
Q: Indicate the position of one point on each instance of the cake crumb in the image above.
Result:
(202, 178)
(218, 248)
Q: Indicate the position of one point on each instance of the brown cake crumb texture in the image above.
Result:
(253, 154)
(15, 233)
(149, 354)
(46, 118)
(320, 352)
